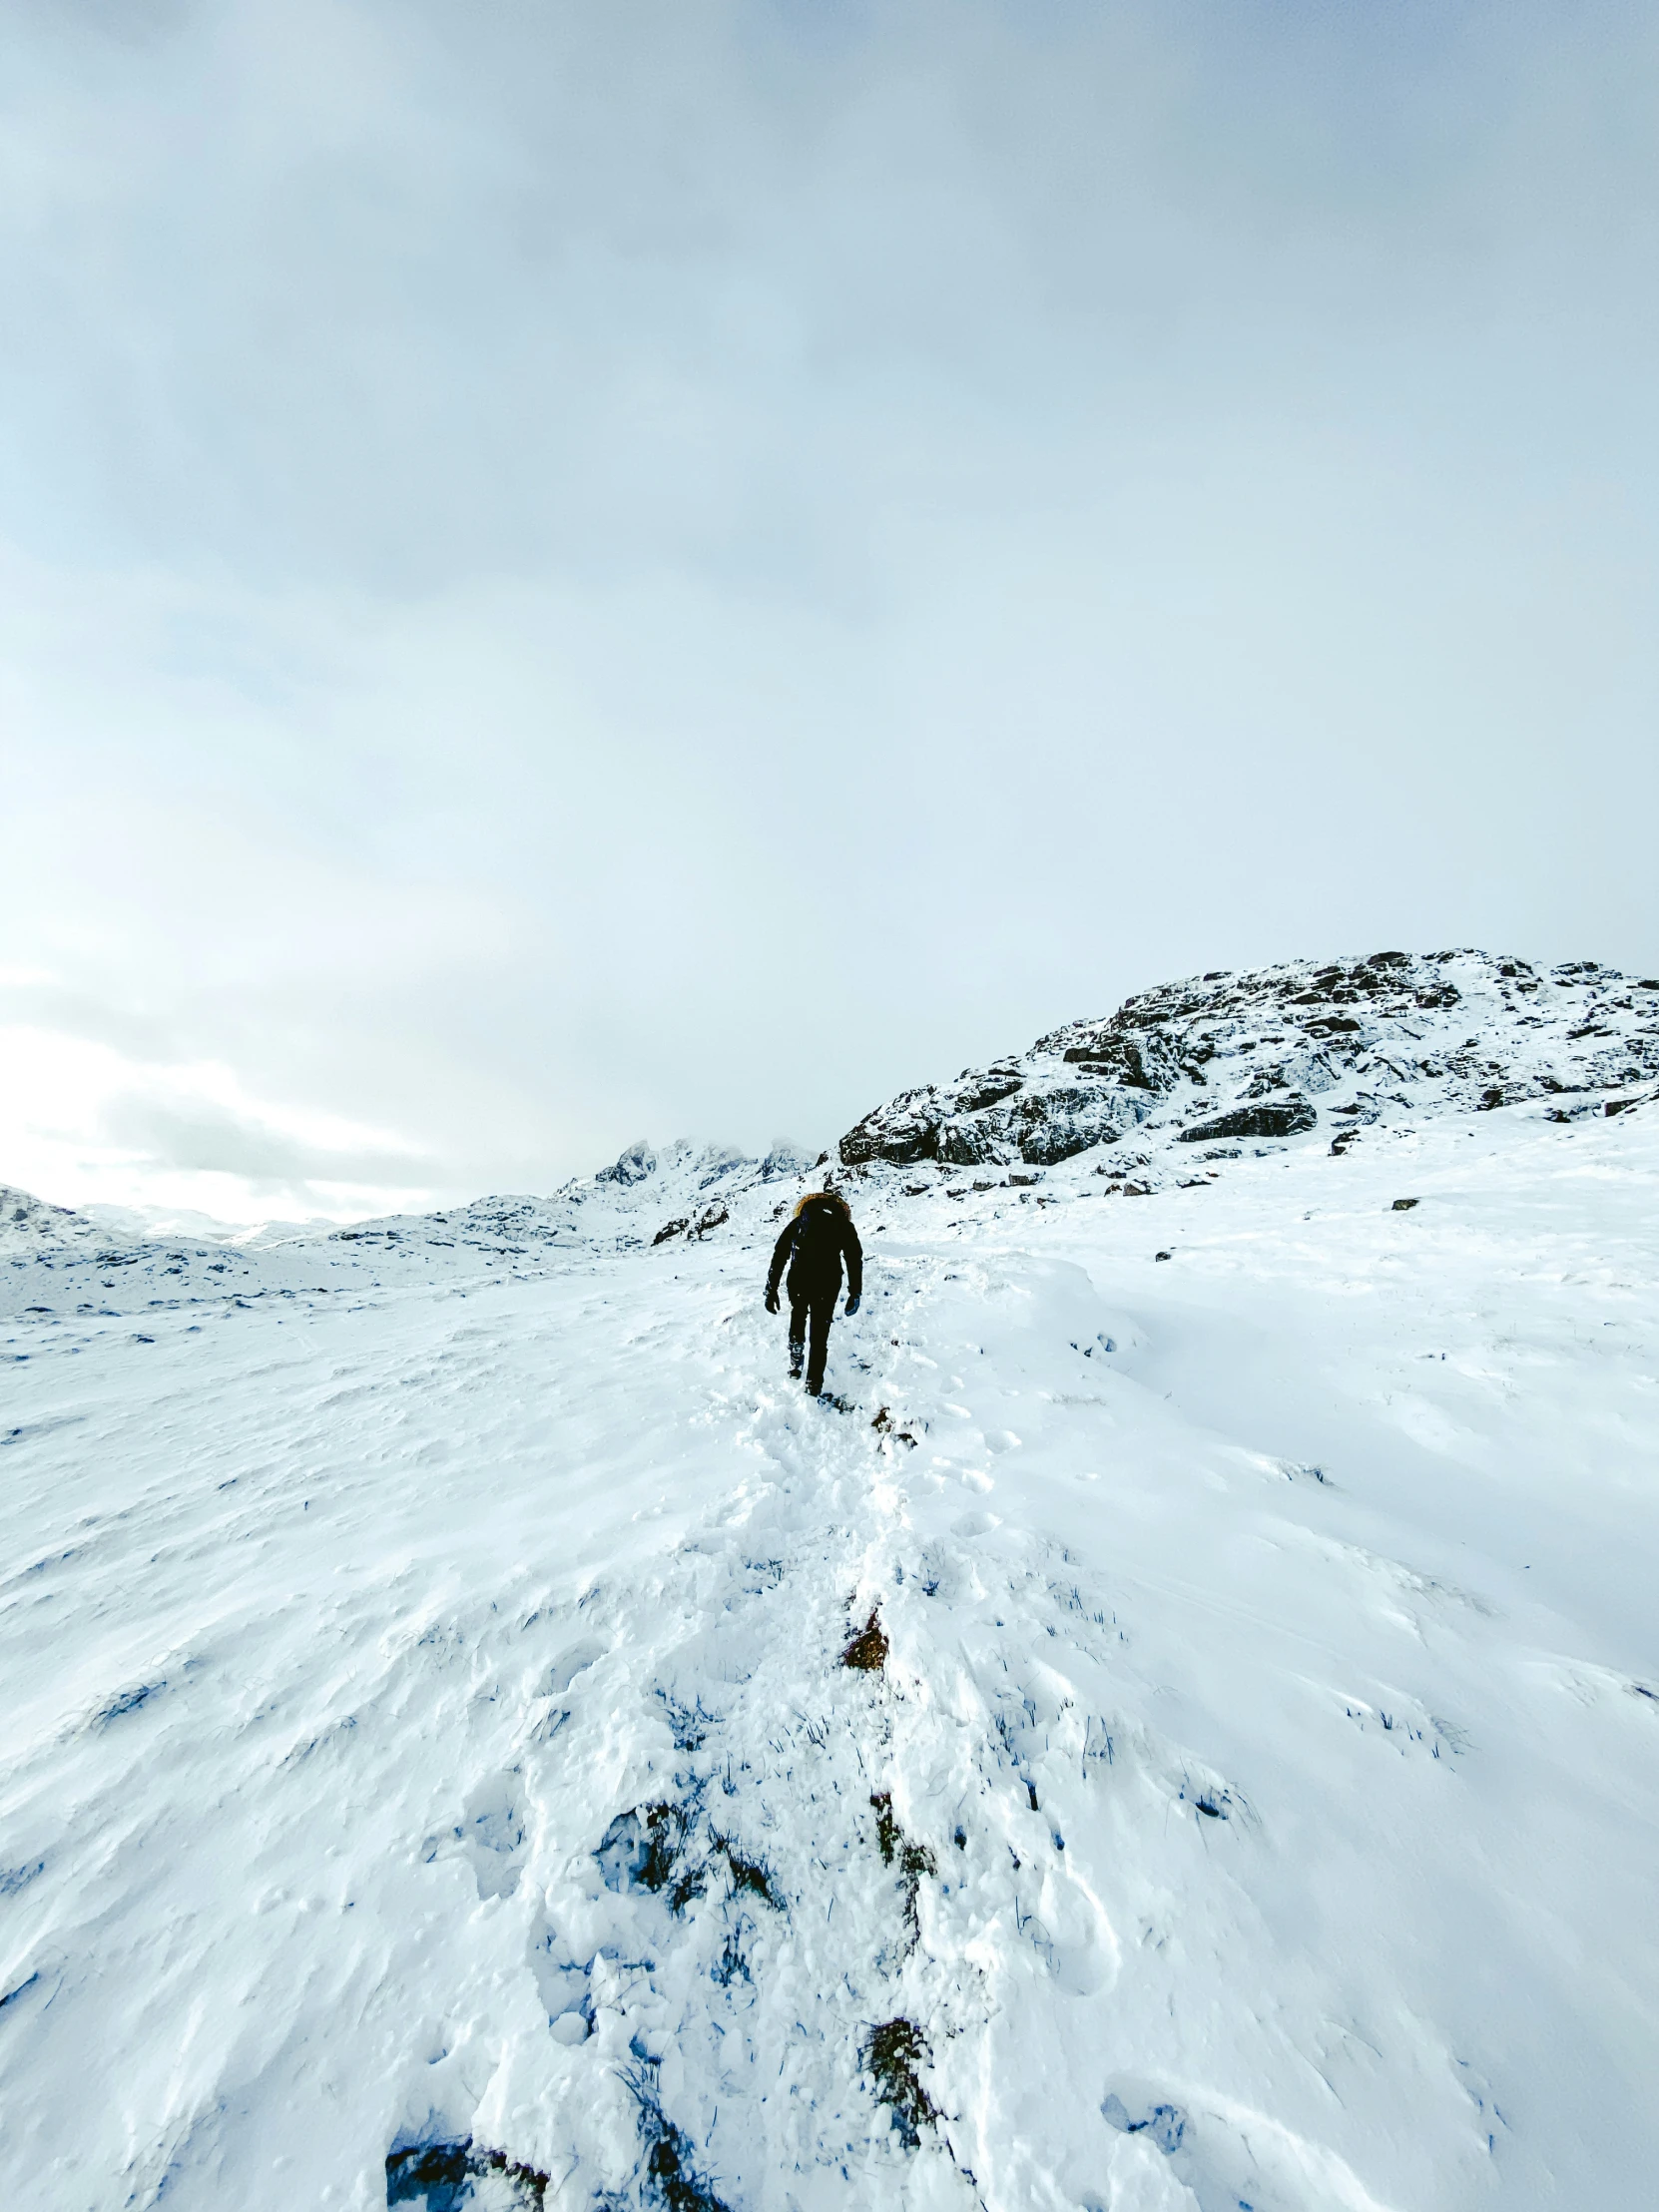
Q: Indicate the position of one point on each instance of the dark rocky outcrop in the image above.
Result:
(1246, 1056)
(1289, 1119)
(633, 1165)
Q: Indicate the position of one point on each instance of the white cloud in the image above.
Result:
(80, 1122)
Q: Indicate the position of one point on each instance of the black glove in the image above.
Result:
(772, 1300)
(852, 1304)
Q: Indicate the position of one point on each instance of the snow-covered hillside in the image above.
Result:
(59, 1265)
(1183, 1729)
(1223, 1059)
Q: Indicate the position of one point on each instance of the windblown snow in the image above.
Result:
(1181, 1729)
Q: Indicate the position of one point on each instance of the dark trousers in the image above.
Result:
(814, 1302)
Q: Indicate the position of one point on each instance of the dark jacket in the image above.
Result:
(812, 1245)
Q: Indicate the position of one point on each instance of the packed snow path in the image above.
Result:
(434, 1766)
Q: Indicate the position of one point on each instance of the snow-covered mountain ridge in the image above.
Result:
(1179, 1733)
(55, 1261)
(1177, 1082)
(1279, 1052)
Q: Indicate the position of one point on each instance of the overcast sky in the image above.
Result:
(569, 571)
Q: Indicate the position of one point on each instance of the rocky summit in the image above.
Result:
(1299, 1051)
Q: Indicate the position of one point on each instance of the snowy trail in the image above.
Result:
(428, 1723)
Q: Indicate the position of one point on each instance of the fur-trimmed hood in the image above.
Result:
(822, 1198)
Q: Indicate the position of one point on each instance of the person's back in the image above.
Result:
(814, 1244)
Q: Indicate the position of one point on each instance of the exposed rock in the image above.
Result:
(633, 1165)
(1288, 1119)
(989, 1089)
(1244, 1055)
(904, 1131)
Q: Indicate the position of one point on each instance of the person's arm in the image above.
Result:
(774, 1274)
(854, 1254)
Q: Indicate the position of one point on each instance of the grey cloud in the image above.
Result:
(591, 285)
(208, 1139)
(140, 1037)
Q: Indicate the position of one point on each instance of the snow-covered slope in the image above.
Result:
(1183, 1732)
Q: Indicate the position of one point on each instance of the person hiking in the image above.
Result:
(816, 1238)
